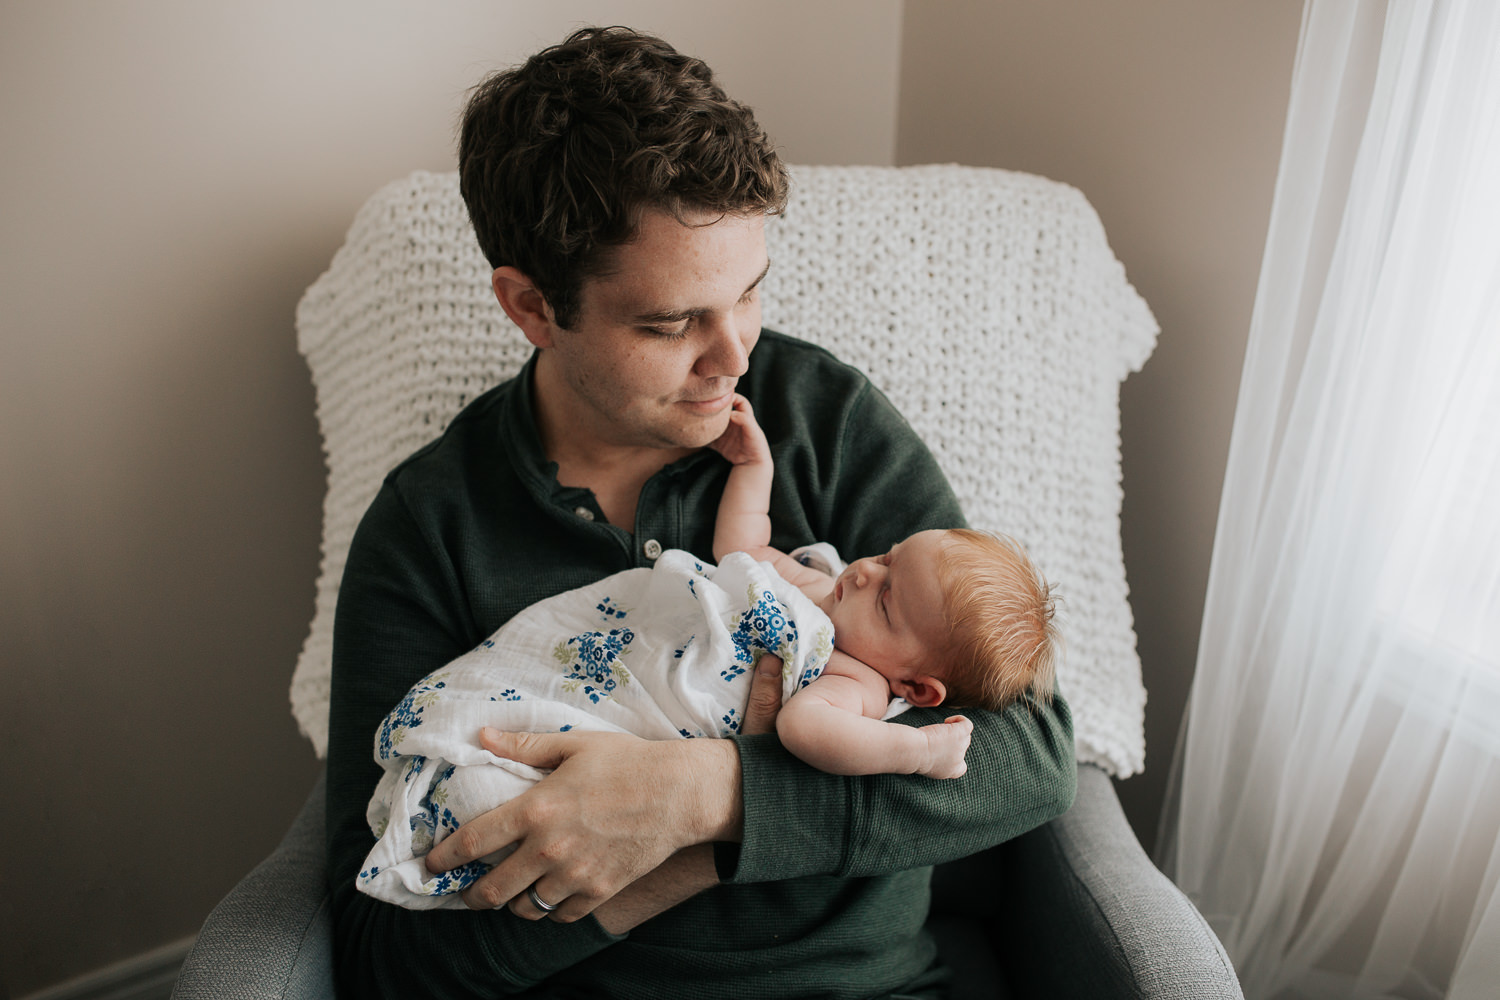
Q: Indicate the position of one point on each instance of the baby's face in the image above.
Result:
(888, 610)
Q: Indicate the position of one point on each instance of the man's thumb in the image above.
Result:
(765, 697)
(537, 749)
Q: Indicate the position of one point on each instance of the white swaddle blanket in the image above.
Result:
(662, 653)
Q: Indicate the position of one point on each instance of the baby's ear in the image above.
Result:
(920, 690)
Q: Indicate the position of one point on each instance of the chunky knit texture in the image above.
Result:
(987, 304)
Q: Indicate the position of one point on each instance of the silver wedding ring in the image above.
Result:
(538, 902)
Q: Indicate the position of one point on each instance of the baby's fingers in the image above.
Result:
(947, 743)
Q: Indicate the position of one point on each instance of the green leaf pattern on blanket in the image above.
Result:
(822, 649)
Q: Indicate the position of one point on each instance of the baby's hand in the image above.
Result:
(947, 741)
(743, 442)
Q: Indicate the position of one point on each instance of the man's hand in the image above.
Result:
(615, 808)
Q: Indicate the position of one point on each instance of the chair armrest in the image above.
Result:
(1089, 915)
(271, 938)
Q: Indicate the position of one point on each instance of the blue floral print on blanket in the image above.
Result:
(630, 643)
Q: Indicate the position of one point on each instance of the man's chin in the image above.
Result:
(702, 432)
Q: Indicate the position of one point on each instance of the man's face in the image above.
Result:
(660, 341)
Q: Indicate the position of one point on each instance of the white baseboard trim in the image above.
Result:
(148, 976)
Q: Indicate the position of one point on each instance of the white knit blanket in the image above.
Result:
(663, 653)
(985, 303)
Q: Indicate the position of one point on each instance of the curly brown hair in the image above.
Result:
(558, 157)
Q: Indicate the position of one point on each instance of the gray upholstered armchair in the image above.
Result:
(989, 307)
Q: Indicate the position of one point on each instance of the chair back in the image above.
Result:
(985, 303)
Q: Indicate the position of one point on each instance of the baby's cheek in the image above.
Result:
(847, 628)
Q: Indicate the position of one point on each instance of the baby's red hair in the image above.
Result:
(1002, 639)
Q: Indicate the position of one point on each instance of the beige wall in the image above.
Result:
(1167, 114)
(172, 175)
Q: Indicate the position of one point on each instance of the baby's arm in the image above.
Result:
(834, 725)
(744, 522)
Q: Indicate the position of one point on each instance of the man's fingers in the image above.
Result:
(558, 906)
(478, 838)
(512, 881)
(765, 697)
(502, 885)
(498, 828)
(546, 750)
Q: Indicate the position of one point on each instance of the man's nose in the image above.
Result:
(724, 356)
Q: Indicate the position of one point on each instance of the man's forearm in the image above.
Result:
(1020, 774)
(680, 877)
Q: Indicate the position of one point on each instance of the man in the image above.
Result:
(621, 198)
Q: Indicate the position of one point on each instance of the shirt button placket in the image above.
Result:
(652, 548)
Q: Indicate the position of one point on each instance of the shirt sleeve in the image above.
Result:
(400, 615)
(886, 485)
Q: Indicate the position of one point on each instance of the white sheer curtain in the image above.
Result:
(1335, 803)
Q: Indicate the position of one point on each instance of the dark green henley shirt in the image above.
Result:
(828, 892)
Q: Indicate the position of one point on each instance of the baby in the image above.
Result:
(953, 617)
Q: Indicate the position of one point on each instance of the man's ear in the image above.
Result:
(920, 690)
(524, 304)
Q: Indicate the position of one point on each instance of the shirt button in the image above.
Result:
(584, 513)
(652, 548)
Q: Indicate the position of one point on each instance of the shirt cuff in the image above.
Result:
(796, 818)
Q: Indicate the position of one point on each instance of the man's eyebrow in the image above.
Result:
(759, 277)
(678, 315)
